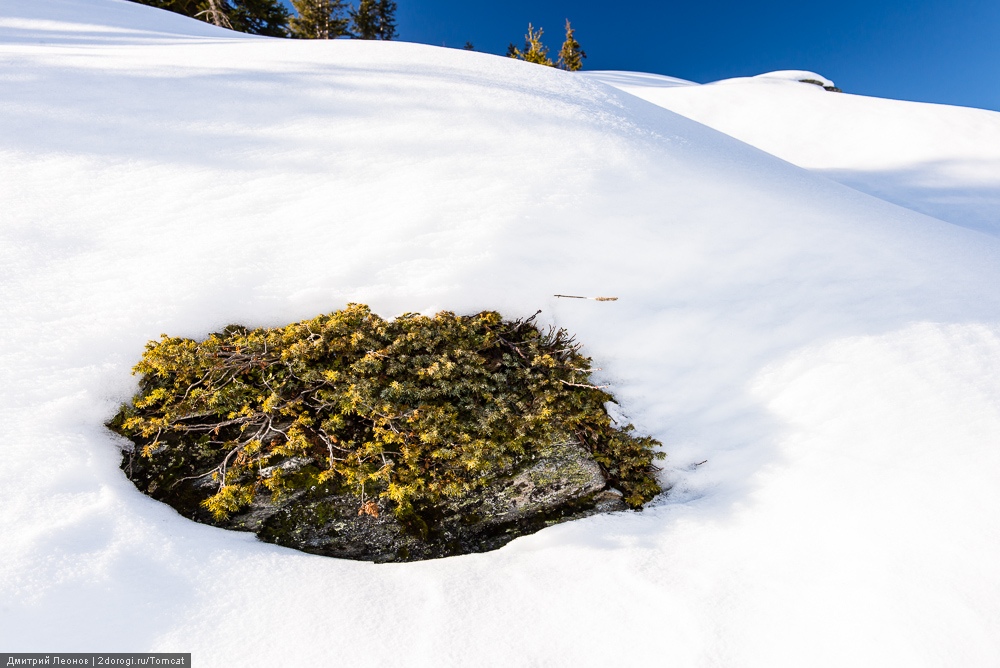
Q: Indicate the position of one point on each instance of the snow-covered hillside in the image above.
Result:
(822, 366)
(939, 160)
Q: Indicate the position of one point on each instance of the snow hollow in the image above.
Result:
(820, 364)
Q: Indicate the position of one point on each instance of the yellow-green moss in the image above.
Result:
(408, 411)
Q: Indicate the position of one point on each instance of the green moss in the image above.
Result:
(404, 414)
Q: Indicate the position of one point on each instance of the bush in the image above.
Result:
(404, 413)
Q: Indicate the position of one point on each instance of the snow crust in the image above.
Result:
(939, 160)
(822, 366)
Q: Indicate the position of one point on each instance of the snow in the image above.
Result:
(939, 160)
(625, 80)
(89, 22)
(801, 76)
(831, 357)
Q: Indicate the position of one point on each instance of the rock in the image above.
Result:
(564, 483)
(353, 436)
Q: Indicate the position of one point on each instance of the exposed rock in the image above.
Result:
(829, 87)
(352, 436)
(562, 484)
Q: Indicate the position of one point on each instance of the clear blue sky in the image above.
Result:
(926, 50)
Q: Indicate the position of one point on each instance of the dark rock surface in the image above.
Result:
(561, 483)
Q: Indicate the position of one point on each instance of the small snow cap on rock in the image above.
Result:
(796, 76)
(803, 76)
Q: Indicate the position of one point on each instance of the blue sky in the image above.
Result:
(926, 50)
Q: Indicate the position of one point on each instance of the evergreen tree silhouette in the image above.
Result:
(571, 55)
(534, 51)
(319, 19)
(374, 19)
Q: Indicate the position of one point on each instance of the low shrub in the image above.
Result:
(399, 413)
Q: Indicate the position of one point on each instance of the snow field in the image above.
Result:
(830, 357)
(939, 160)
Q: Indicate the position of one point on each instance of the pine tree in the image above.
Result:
(374, 19)
(215, 12)
(469, 46)
(319, 19)
(364, 19)
(571, 55)
(257, 17)
(534, 51)
(185, 7)
(387, 19)
(260, 17)
(210, 11)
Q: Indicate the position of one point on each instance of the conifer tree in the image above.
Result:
(387, 19)
(260, 17)
(257, 17)
(364, 19)
(374, 19)
(215, 12)
(210, 11)
(571, 55)
(319, 19)
(534, 51)
(185, 7)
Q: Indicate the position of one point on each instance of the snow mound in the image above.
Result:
(776, 78)
(821, 365)
(624, 80)
(796, 75)
(939, 160)
(96, 22)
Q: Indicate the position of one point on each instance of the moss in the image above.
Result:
(403, 415)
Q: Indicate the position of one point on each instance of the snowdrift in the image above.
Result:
(940, 160)
(820, 364)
